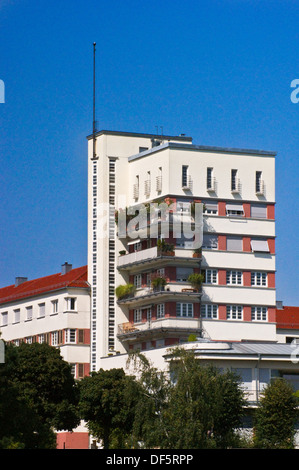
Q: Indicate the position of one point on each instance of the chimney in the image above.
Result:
(66, 267)
(279, 304)
(20, 280)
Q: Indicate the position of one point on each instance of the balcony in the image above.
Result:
(175, 291)
(130, 332)
(153, 256)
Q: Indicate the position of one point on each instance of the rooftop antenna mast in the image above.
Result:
(94, 156)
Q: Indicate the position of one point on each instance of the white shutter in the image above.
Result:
(234, 244)
(259, 211)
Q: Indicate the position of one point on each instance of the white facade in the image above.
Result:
(50, 310)
(237, 188)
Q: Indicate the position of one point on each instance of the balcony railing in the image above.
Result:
(153, 254)
(170, 290)
(179, 324)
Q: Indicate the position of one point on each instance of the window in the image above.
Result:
(210, 208)
(81, 336)
(28, 313)
(80, 371)
(148, 314)
(17, 315)
(41, 338)
(148, 279)
(183, 206)
(4, 319)
(258, 211)
(70, 336)
(71, 303)
(234, 312)
(138, 281)
(137, 246)
(160, 310)
(184, 176)
(209, 311)
(161, 272)
(159, 180)
(28, 340)
(54, 338)
(234, 181)
(258, 181)
(54, 306)
(136, 188)
(42, 310)
(182, 274)
(210, 241)
(210, 179)
(147, 184)
(137, 315)
(184, 309)
(184, 242)
(235, 210)
(259, 313)
(234, 277)
(259, 279)
(234, 243)
(211, 276)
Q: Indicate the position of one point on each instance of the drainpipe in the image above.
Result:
(257, 382)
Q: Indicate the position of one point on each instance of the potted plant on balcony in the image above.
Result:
(196, 280)
(122, 252)
(197, 252)
(165, 249)
(125, 291)
(158, 283)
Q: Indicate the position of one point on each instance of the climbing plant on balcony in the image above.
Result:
(125, 291)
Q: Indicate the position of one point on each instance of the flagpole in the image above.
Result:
(94, 156)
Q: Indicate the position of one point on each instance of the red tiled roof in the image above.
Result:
(287, 318)
(76, 277)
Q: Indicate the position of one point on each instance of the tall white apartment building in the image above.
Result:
(237, 300)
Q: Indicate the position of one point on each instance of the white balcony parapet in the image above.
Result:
(165, 322)
(151, 253)
(141, 255)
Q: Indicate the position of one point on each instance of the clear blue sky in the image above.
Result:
(219, 71)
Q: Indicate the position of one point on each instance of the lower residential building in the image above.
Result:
(53, 309)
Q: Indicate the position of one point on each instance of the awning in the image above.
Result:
(134, 241)
(260, 245)
(234, 207)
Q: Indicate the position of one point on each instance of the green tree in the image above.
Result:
(191, 406)
(205, 405)
(276, 416)
(37, 395)
(149, 426)
(107, 403)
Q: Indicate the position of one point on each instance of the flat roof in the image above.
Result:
(227, 349)
(181, 137)
(203, 148)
